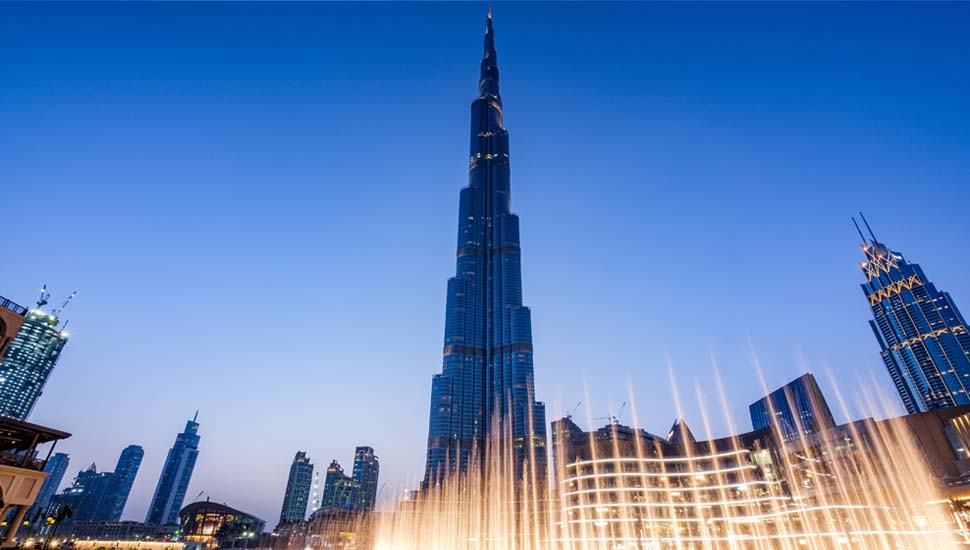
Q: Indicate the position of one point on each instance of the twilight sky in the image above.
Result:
(258, 206)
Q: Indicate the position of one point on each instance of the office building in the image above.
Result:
(794, 409)
(28, 361)
(297, 493)
(175, 477)
(124, 477)
(367, 469)
(101, 496)
(339, 489)
(922, 336)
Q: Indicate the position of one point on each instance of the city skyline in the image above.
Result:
(812, 252)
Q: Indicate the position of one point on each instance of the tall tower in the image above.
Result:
(339, 489)
(921, 333)
(297, 489)
(367, 469)
(128, 464)
(485, 388)
(28, 361)
(176, 474)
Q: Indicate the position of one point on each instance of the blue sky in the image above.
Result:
(257, 204)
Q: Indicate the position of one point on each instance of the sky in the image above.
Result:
(257, 204)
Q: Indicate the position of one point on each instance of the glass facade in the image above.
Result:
(101, 496)
(297, 489)
(796, 408)
(922, 335)
(486, 385)
(367, 469)
(339, 489)
(127, 468)
(176, 474)
(28, 362)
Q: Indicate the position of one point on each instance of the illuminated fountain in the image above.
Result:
(864, 485)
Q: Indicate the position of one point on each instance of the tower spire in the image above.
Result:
(856, 224)
(488, 83)
(861, 215)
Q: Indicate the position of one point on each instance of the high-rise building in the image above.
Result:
(486, 384)
(176, 474)
(56, 467)
(922, 335)
(101, 496)
(297, 489)
(339, 489)
(795, 409)
(89, 497)
(367, 469)
(124, 476)
(11, 318)
(28, 362)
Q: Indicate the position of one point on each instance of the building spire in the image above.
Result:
(874, 239)
(856, 224)
(488, 83)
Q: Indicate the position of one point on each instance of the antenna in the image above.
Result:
(867, 227)
(44, 296)
(58, 311)
(859, 230)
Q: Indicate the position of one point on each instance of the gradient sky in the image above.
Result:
(258, 206)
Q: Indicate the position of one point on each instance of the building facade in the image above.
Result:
(297, 494)
(622, 487)
(28, 361)
(339, 489)
(214, 526)
(795, 408)
(485, 394)
(101, 496)
(124, 477)
(175, 477)
(922, 336)
(367, 469)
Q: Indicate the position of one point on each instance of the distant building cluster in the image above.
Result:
(344, 508)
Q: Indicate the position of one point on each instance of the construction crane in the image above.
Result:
(57, 312)
(44, 296)
(570, 413)
(613, 419)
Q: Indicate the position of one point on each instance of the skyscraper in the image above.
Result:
(339, 489)
(56, 467)
(794, 409)
(28, 362)
(175, 477)
(297, 489)
(486, 384)
(124, 476)
(367, 469)
(922, 335)
(101, 496)
(89, 496)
